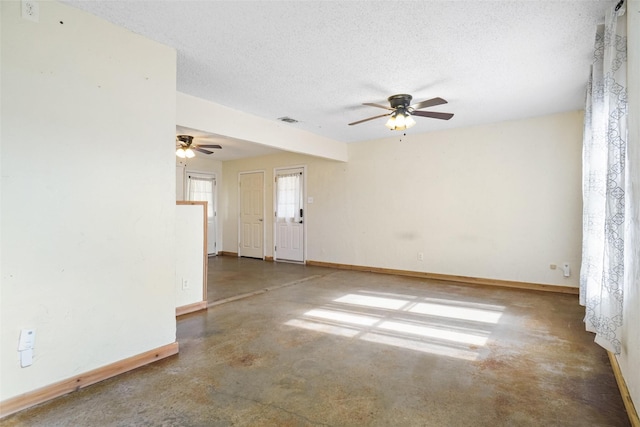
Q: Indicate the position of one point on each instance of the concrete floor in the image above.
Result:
(360, 349)
(229, 277)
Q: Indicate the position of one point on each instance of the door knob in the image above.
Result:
(260, 219)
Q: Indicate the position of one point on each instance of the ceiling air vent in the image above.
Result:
(287, 119)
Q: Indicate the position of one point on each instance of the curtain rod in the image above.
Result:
(619, 5)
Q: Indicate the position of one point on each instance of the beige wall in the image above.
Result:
(630, 358)
(229, 202)
(500, 201)
(87, 227)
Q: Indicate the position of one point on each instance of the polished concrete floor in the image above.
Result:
(344, 348)
(230, 277)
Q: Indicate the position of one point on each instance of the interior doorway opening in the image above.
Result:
(201, 187)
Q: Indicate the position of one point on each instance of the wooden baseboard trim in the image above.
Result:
(624, 391)
(190, 308)
(226, 253)
(75, 383)
(452, 278)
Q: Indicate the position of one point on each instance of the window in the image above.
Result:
(200, 188)
(289, 197)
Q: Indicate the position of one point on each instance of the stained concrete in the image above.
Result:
(230, 277)
(360, 349)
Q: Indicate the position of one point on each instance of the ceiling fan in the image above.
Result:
(402, 111)
(186, 147)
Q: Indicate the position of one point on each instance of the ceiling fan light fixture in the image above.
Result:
(186, 149)
(400, 120)
(402, 111)
(391, 123)
(408, 121)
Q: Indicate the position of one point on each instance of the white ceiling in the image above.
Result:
(232, 148)
(318, 61)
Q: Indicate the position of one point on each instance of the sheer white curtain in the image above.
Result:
(289, 197)
(605, 184)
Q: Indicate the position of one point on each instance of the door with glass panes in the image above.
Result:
(202, 187)
(289, 215)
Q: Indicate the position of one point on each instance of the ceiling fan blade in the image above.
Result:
(202, 150)
(433, 115)
(370, 118)
(371, 104)
(428, 103)
(210, 146)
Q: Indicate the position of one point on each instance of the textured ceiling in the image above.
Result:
(318, 61)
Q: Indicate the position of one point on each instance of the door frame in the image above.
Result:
(205, 174)
(264, 228)
(304, 207)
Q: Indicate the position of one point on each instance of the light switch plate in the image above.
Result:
(27, 339)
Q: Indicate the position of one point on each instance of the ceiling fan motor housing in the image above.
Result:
(402, 100)
(185, 139)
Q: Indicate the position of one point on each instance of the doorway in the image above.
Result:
(251, 229)
(289, 215)
(202, 187)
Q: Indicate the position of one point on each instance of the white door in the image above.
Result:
(202, 187)
(251, 215)
(289, 214)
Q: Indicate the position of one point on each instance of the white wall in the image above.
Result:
(87, 228)
(630, 357)
(189, 276)
(500, 201)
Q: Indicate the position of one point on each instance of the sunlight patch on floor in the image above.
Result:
(437, 333)
(352, 319)
(456, 312)
(454, 328)
(369, 301)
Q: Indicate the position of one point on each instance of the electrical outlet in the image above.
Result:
(566, 269)
(26, 358)
(420, 256)
(30, 10)
(25, 347)
(185, 284)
